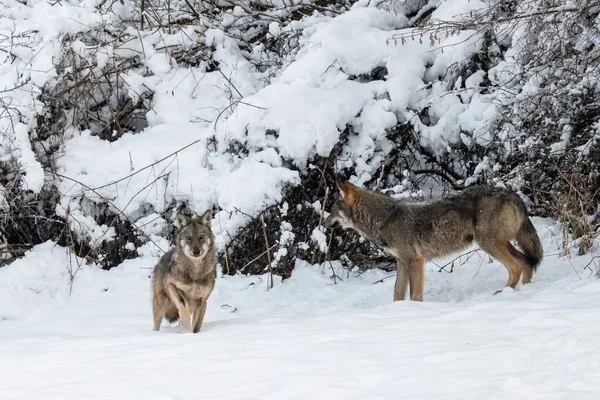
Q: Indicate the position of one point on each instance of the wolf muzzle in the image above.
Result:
(329, 224)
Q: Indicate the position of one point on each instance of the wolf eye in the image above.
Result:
(201, 237)
(188, 237)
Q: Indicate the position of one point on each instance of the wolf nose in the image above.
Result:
(196, 252)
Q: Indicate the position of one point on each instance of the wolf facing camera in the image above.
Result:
(185, 276)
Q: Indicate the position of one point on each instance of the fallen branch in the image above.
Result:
(468, 254)
(382, 279)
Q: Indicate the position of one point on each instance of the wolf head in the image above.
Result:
(194, 236)
(342, 208)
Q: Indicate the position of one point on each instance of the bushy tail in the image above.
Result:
(529, 241)
(172, 314)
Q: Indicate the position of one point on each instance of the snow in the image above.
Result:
(305, 338)
(320, 238)
(286, 109)
(38, 281)
(229, 134)
(34, 174)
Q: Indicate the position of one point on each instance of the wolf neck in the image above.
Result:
(199, 267)
(373, 212)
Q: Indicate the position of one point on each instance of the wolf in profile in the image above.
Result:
(185, 276)
(415, 232)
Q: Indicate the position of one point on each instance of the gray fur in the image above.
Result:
(185, 276)
(413, 232)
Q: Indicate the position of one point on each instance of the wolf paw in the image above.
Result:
(503, 290)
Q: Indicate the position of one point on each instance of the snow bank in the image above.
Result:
(35, 282)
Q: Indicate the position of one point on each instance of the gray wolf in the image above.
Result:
(185, 276)
(415, 232)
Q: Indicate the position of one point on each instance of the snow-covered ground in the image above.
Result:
(307, 338)
(310, 336)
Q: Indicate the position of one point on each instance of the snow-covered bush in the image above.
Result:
(540, 73)
(120, 112)
(551, 128)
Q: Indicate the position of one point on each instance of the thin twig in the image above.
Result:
(221, 229)
(72, 248)
(443, 267)
(327, 254)
(573, 266)
(592, 261)
(379, 179)
(256, 258)
(142, 11)
(382, 279)
(110, 203)
(312, 260)
(14, 250)
(195, 13)
(147, 166)
(270, 267)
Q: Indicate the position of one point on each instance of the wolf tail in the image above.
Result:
(529, 241)
(172, 314)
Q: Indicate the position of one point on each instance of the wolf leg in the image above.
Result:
(502, 253)
(158, 308)
(182, 304)
(514, 267)
(401, 282)
(198, 316)
(416, 272)
(184, 309)
(176, 296)
(527, 274)
(185, 315)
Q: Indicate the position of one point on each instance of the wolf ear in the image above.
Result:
(347, 191)
(207, 218)
(181, 220)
